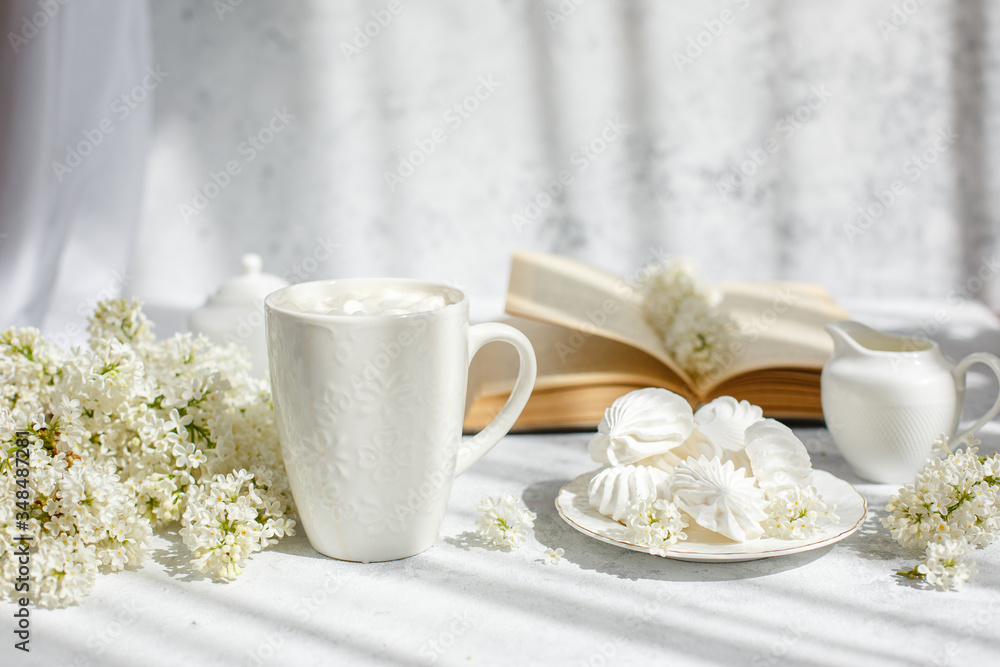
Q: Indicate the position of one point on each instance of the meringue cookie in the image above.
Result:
(612, 490)
(641, 424)
(725, 421)
(719, 497)
(778, 458)
(695, 446)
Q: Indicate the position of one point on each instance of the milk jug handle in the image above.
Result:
(961, 368)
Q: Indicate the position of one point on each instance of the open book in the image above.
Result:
(594, 344)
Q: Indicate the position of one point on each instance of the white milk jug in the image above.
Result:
(887, 398)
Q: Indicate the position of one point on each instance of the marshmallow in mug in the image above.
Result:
(384, 301)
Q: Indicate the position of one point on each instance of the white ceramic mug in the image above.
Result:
(370, 409)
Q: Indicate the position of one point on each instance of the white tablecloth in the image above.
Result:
(460, 604)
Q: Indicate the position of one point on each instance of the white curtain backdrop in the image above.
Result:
(853, 144)
(75, 114)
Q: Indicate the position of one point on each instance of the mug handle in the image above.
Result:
(960, 370)
(472, 450)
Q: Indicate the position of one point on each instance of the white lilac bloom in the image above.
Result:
(796, 513)
(943, 566)
(235, 516)
(501, 524)
(81, 519)
(952, 507)
(682, 309)
(129, 434)
(655, 524)
(697, 338)
(957, 496)
(553, 556)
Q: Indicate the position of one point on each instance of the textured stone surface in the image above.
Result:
(690, 127)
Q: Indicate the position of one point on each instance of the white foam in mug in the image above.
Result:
(368, 378)
(380, 300)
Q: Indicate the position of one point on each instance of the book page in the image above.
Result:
(778, 324)
(578, 296)
(579, 375)
(576, 408)
(567, 357)
(783, 393)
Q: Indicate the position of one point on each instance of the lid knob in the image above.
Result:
(252, 263)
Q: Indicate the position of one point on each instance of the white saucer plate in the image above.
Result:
(705, 546)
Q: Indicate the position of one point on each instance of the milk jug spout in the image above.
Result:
(845, 336)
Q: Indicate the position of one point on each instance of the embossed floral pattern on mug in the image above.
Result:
(379, 516)
(343, 344)
(316, 482)
(387, 392)
(333, 403)
(387, 455)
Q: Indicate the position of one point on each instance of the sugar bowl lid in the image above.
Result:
(249, 287)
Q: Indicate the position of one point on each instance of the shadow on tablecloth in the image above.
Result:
(176, 558)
